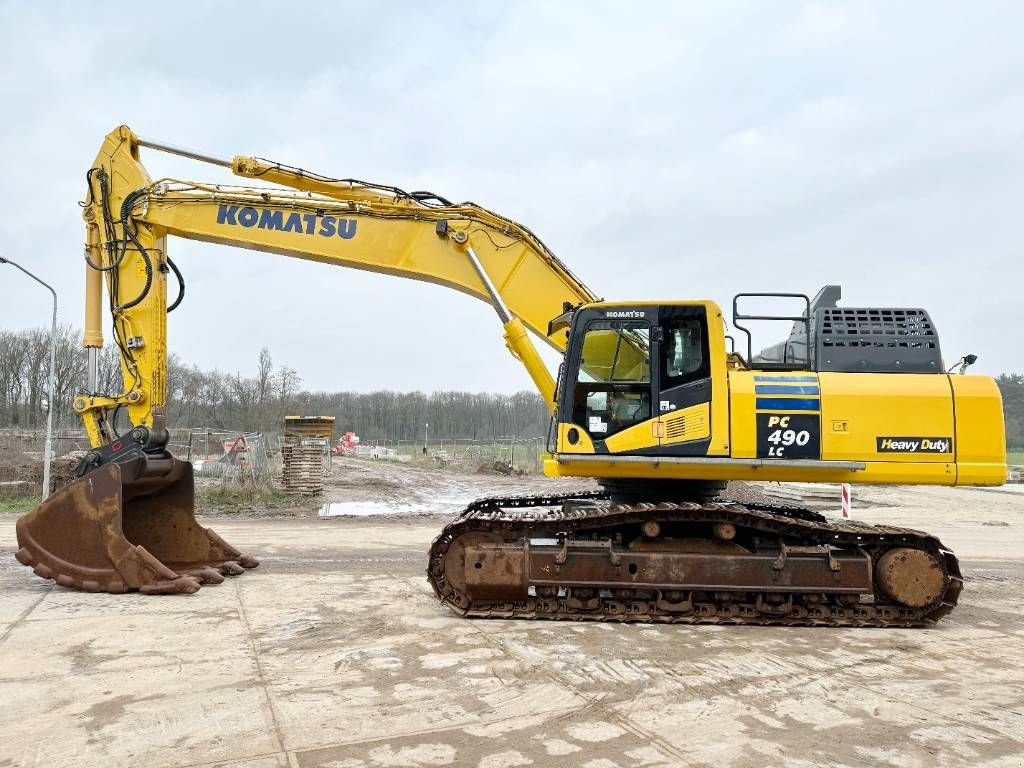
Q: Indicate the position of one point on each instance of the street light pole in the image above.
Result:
(47, 445)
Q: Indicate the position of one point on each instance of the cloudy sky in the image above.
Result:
(676, 150)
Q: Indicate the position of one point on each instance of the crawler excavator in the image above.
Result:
(649, 400)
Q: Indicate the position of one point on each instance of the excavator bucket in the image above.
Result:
(127, 526)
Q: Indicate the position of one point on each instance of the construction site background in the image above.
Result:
(256, 457)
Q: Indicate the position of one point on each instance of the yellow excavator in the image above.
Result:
(652, 400)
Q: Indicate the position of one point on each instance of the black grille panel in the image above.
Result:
(876, 339)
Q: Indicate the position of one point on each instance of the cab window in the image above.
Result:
(684, 352)
(613, 389)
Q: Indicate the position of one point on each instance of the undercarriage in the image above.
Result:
(584, 557)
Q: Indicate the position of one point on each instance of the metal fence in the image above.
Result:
(18, 445)
(229, 454)
(213, 452)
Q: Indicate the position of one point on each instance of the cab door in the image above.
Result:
(684, 392)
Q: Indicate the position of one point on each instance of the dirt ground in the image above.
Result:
(334, 653)
(360, 487)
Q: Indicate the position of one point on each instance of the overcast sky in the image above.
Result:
(664, 151)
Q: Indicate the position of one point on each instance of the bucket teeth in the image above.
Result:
(209, 576)
(231, 568)
(126, 527)
(183, 585)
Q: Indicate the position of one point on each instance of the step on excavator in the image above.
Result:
(652, 400)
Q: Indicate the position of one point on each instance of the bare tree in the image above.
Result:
(108, 370)
(288, 381)
(264, 375)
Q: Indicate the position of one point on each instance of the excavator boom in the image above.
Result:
(142, 533)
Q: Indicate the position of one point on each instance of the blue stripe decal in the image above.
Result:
(786, 389)
(770, 379)
(784, 404)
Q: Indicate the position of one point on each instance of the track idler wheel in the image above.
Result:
(124, 527)
(911, 577)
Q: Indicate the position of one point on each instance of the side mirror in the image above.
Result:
(964, 362)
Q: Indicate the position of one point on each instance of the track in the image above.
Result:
(590, 517)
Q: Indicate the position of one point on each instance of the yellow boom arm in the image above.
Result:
(343, 222)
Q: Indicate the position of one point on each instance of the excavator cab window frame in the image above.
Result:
(695, 357)
(693, 386)
(628, 401)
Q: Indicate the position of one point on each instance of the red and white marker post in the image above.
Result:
(847, 504)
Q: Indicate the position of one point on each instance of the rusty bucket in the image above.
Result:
(127, 526)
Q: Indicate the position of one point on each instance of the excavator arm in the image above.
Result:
(129, 523)
(342, 222)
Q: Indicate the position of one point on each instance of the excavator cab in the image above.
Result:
(639, 378)
(132, 512)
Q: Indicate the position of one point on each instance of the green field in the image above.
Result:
(1015, 457)
(19, 505)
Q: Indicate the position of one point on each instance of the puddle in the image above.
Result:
(368, 509)
(386, 509)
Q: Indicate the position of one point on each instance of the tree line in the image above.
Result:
(256, 403)
(25, 367)
(1012, 387)
(260, 401)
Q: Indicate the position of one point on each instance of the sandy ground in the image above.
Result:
(334, 653)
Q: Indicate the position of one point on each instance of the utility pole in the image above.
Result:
(47, 445)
